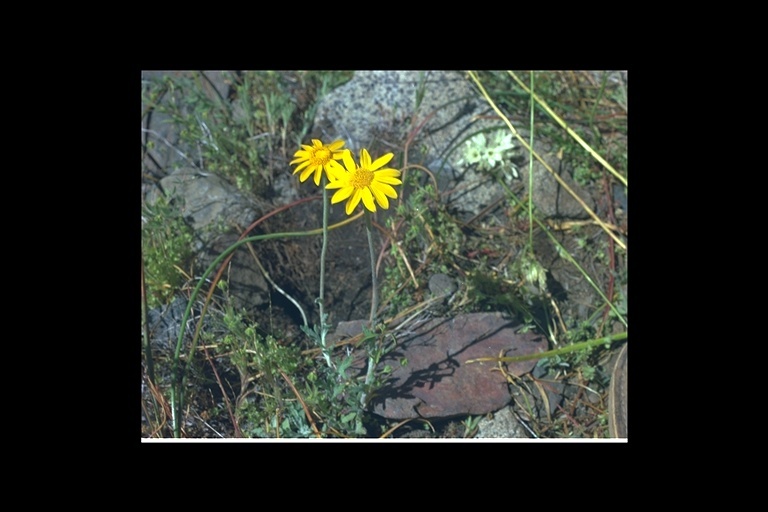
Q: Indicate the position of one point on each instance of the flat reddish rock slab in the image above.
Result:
(437, 382)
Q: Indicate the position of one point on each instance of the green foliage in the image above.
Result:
(241, 136)
(489, 292)
(167, 247)
(431, 235)
(588, 371)
(470, 424)
(339, 393)
(336, 393)
(585, 108)
(585, 173)
(266, 405)
(213, 137)
(584, 360)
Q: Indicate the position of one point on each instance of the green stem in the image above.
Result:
(551, 353)
(322, 253)
(530, 176)
(145, 328)
(374, 306)
(374, 291)
(323, 326)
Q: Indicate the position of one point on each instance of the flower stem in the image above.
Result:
(322, 252)
(320, 299)
(374, 290)
(374, 307)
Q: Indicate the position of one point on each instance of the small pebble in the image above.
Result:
(440, 285)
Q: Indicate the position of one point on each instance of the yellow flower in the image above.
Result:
(317, 157)
(366, 182)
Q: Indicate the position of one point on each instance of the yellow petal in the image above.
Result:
(349, 162)
(385, 179)
(353, 202)
(365, 158)
(389, 173)
(368, 199)
(334, 168)
(387, 190)
(306, 173)
(381, 161)
(380, 197)
(336, 184)
(341, 194)
(300, 167)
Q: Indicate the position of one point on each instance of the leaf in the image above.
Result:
(345, 364)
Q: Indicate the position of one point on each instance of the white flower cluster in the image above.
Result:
(487, 154)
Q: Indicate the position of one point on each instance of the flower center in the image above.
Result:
(320, 156)
(362, 178)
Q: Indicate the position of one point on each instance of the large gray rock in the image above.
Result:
(389, 104)
(380, 110)
(207, 200)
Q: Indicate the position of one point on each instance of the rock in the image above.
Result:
(246, 284)
(436, 382)
(440, 285)
(389, 104)
(442, 289)
(165, 323)
(376, 106)
(552, 200)
(208, 200)
(503, 425)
